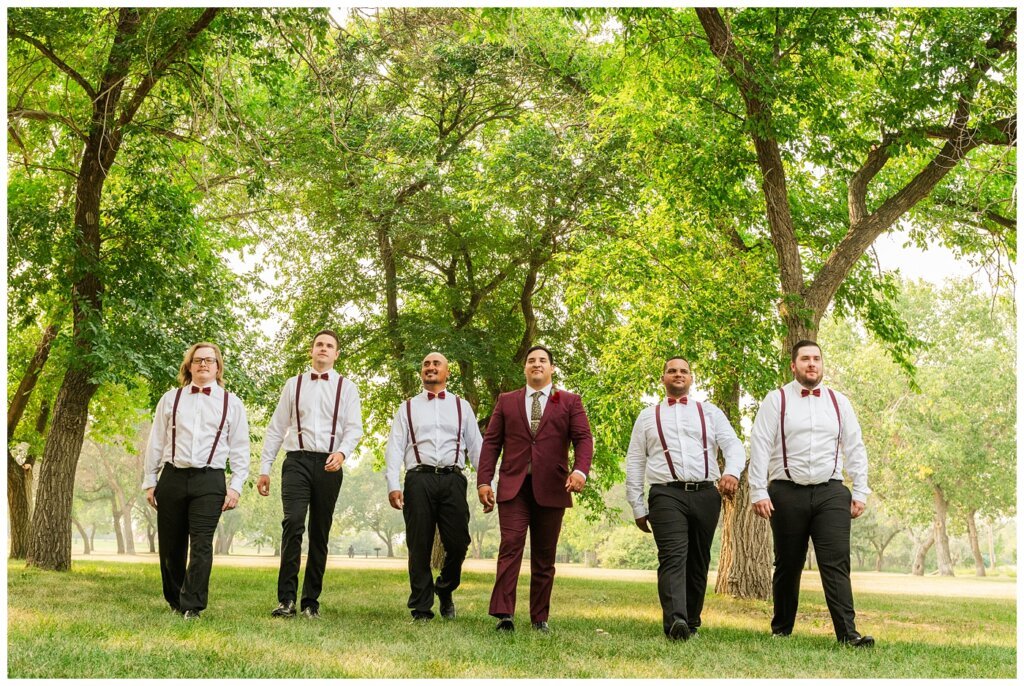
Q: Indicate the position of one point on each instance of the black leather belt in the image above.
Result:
(690, 485)
(194, 469)
(432, 469)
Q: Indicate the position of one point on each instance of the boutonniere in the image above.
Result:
(555, 396)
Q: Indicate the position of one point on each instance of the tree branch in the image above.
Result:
(164, 61)
(41, 115)
(60, 64)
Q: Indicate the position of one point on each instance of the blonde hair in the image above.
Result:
(185, 371)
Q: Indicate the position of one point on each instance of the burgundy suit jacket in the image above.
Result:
(564, 421)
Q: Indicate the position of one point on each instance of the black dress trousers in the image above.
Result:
(189, 503)
(305, 488)
(821, 513)
(683, 523)
(434, 501)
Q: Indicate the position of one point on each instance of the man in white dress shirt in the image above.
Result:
(198, 429)
(803, 436)
(434, 435)
(319, 422)
(675, 447)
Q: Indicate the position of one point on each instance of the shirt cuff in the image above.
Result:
(576, 471)
(758, 494)
(639, 511)
(149, 481)
(736, 475)
(236, 483)
(861, 496)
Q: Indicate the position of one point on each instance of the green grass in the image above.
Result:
(109, 620)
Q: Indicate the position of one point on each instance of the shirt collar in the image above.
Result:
(546, 391)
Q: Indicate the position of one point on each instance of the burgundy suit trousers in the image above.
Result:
(515, 516)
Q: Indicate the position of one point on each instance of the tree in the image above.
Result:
(130, 258)
(788, 100)
(364, 504)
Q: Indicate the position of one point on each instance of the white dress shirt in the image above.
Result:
(645, 458)
(316, 410)
(199, 416)
(434, 422)
(811, 433)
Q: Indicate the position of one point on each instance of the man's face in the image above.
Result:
(434, 371)
(538, 369)
(677, 378)
(324, 351)
(204, 366)
(808, 368)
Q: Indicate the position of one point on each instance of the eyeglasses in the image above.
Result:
(208, 361)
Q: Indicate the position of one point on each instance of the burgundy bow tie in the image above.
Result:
(316, 377)
(673, 401)
(816, 393)
(204, 391)
(431, 396)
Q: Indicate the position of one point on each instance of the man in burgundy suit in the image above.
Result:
(533, 428)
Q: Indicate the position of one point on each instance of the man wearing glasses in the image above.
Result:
(197, 430)
(318, 421)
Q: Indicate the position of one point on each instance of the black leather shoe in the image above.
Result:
(311, 612)
(191, 614)
(855, 640)
(284, 609)
(679, 631)
(542, 627)
(505, 624)
(447, 607)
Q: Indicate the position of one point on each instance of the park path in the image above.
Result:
(863, 582)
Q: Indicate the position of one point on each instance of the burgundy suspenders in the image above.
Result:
(334, 420)
(298, 421)
(664, 444)
(174, 427)
(458, 431)
(216, 439)
(782, 427)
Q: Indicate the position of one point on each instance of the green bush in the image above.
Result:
(628, 548)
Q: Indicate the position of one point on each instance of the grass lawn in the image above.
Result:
(108, 619)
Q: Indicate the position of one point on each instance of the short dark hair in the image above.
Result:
(675, 357)
(551, 358)
(803, 343)
(327, 332)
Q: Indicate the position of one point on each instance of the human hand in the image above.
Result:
(230, 500)
(396, 500)
(334, 462)
(727, 485)
(486, 495)
(764, 508)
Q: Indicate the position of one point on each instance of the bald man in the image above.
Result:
(435, 435)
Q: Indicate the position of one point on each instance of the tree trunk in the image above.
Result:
(941, 536)
(879, 559)
(745, 565)
(992, 546)
(115, 512)
(972, 535)
(922, 550)
(19, 478)
(129, 529)
(50, 537)
(85, 537)
(17, 508)
(92, 537)
(437, 552)
(151, 536)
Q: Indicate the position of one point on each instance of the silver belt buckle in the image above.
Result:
(691, 486)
